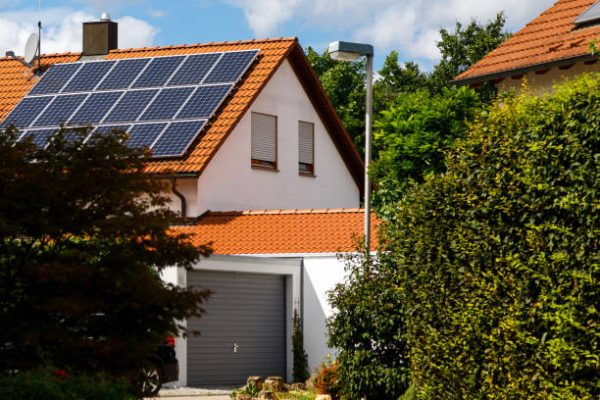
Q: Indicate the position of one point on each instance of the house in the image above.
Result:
(233, 126)
(552, 47)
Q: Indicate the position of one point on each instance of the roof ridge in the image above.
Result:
(249, 213)
(208, 44)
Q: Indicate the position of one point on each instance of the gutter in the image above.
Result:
(524, 70)
(180, 196)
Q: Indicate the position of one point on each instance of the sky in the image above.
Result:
(409, 26)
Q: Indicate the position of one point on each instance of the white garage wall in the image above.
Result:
(321, 274)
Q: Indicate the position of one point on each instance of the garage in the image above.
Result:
(243, 331)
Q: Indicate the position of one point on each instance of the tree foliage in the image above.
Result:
(300, 371)
(84, 235)
(497, 260)
(369, 331)
(413, 135)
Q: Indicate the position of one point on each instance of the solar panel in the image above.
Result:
(144, 135)
(123, 74)
(55, 78)
(26, 111)
(95, 108)
(131, 105)
(158, 72)
(231, 66)
(167, 103)
(88, 76)
(194, 69)
(204, 102)
(177, 138)
(162, 102)
(59, 111)
(590, 15)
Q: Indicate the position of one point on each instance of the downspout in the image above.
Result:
(180, 196)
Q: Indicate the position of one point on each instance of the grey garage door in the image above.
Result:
(242, 332)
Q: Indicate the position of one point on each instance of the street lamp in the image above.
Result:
(346, 51)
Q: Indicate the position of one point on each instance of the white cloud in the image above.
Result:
(62, 30)
(410, 26)
(157, 13)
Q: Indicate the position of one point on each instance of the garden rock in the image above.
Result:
(267, 395)
(256, 381)
(243, 397)
(274, 383)
(323, 397)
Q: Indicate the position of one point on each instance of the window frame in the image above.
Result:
(261, 164)
(310, 172)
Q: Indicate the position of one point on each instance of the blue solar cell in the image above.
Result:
(177, 138)
(95, 108)
(158, 72)
(39, 137)
(55, 78)
(123, 74)
(231, 66)
(204, 102)
(88, 76)
(194, 69)
(143, 135)
(60, 110)
(26, 111)
(167, 103)
(131, 105)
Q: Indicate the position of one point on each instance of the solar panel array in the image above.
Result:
(162, 102)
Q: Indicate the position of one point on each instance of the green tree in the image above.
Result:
(412, 137)
(369, 331)
(84, 235)
(463, 47)
(394, 79)
(497, 260)
(300, 370)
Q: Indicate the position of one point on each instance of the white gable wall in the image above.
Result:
(230, 183)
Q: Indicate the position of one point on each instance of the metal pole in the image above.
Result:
(368, 135)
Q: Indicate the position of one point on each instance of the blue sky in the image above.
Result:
(409, 26)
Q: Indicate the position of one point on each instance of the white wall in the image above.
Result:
(229, 183)
(541, 83)
(321, 274)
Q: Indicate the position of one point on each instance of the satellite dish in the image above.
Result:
(31, 48)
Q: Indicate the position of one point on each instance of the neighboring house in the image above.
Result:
(261, 136)
(552, 47)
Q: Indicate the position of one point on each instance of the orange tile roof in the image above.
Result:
(552, 39)
(15, 82)
(280, 231)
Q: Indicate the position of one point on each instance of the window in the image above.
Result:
(264, 141)
(306, 148)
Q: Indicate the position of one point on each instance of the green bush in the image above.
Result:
(498, 263)
(57, 385)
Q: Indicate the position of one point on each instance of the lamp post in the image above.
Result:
(346, 51)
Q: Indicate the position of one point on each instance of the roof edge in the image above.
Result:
(523, 70)
(209, 44)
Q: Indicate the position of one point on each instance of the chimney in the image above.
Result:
(100, 37)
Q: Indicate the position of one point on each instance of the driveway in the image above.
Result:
(194, 394)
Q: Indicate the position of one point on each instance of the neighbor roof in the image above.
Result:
(281, 231)
(552, 39)
(16, 80)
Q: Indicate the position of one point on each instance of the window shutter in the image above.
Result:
(306, 137)
(264, 138)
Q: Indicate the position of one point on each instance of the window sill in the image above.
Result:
(307, 174)
(264, 168)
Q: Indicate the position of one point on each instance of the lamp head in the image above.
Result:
(347, 51)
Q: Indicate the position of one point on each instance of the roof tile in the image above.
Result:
(280, 231)
(551, 37)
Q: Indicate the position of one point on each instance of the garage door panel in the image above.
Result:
(247, 310)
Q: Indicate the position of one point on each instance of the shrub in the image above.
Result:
(300, 373)
(369, 330)
(498, 260)
(58, 385)
(327, 379)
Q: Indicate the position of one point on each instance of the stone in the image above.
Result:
(323, 397)
(256, 381)
(274, 383)
(310, 383)
(243, 397)
(267, 395)
(296, 387)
